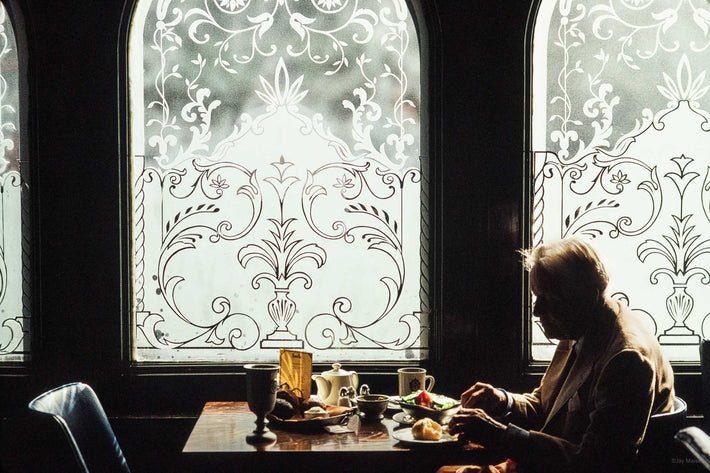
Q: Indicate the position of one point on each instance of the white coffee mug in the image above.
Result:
(412, 379)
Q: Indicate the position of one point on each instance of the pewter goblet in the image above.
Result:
(262, 383)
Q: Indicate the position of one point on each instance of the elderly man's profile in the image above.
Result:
(607, 376)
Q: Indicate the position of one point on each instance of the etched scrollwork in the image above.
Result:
(620, 147)
(269, 156)
(12, 334)
(233, 330)
(14, 247)
(8, 107)
(334, 329)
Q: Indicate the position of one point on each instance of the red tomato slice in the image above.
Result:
(423, 399)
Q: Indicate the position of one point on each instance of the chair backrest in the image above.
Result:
(34, 442)
(666, 424)
(78, 412)
(659, 436)
(697, 442)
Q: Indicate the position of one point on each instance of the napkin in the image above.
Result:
(338, 429)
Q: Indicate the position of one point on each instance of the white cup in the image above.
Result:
(412, 379)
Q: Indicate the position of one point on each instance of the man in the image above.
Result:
(606, 378)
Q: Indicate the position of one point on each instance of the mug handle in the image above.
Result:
(429, 383)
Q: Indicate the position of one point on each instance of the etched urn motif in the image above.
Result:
(679, 305)
(281, 310)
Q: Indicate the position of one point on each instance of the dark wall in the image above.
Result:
(482, 155)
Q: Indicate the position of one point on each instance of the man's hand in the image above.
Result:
(477, 426)
(486, 397)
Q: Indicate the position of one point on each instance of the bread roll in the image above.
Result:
(426, 429)
(283, 409)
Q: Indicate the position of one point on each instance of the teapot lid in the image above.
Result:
(336, 371)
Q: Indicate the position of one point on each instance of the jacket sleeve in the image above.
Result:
(621, 405)
(527, 410)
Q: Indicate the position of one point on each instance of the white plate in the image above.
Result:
(404, 418)
(405, 436)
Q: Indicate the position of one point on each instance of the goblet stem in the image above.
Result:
(261, 434)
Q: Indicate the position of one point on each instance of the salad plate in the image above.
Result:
(434, 406)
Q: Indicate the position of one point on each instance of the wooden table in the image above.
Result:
(218, 443)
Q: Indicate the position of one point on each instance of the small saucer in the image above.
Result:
(404, 418)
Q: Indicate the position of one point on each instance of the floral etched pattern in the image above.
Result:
(329, 4)
(232, 5)
(277, 190)
(14, 253)
(621, 154)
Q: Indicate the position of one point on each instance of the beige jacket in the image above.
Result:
(598, 419)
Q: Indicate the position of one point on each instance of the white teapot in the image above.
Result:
(330, 382)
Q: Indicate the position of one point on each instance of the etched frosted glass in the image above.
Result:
(621, 153)
(276, 181)
(14, 317)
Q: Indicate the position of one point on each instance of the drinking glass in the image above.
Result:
(262, 383)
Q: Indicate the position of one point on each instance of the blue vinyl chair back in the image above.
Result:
(79, 414)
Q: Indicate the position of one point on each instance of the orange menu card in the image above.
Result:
(295, 368)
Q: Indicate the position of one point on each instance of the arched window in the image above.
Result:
(276, 180)
(14, 199)
(621, 153)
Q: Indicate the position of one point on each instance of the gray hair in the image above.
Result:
(570, 264)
